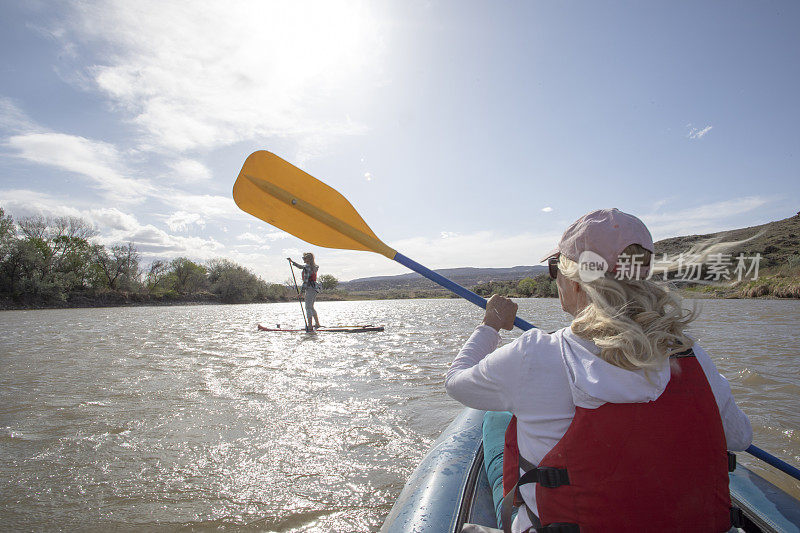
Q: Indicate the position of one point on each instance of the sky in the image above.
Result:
(465, 133)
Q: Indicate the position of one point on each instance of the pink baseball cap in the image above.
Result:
(605, 232)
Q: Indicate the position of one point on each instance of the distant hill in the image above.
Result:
(466, 276)
(778, 244)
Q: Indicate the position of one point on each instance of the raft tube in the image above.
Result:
(449, 488)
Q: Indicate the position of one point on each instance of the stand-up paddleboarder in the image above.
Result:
(310, 287)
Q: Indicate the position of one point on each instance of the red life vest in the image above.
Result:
(310, 276)
(654, 466)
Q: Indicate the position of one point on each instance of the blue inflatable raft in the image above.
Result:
(450, 488)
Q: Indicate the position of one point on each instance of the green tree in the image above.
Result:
(545, 287)
(36, 255)
(119, 269)
(526, 287)
(328, 282)
(61, 243)
(20, 269)
(234, 283)
(187, 277)
(8, 234)
(157, 276)
(8, 242)
(51, 257)
(73, 269)
(278, 292)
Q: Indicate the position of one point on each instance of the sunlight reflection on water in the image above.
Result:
(166, 416)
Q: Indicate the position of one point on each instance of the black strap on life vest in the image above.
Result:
(547, 477)
(685, 353)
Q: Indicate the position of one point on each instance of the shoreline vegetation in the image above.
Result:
(53, 263)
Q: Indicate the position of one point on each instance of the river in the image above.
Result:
(171, 417)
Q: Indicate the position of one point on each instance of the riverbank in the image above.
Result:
(766, 289)
(113, 299)
(779, 284)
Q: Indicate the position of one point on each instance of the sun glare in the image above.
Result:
(319, 42)
(237, 70)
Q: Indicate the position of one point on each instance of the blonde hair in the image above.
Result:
(636, 323)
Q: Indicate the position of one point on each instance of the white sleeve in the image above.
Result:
(738, 430)
(481, 376)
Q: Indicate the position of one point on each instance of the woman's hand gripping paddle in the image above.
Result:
(281, 194)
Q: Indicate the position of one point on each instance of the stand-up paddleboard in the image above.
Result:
(338, 329)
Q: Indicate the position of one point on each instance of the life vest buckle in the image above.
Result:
(738, 519)
(552, 477)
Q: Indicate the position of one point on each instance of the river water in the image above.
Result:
(168, 417)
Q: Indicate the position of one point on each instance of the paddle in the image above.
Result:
(281, 194)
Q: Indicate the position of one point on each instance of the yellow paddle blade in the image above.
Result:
(281, 194)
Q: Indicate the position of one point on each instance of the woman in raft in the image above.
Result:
(622, 420)
(310, 287)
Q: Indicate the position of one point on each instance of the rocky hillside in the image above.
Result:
(777, 242)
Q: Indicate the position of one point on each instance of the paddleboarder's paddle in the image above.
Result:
(281, 194)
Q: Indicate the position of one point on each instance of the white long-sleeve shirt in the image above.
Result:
(541, 377)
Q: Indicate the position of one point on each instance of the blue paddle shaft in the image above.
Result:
(774, 461)
(453, 287)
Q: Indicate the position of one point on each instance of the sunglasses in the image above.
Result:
(552, 267)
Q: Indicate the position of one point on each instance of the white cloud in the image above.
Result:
(23, 203)
(289, 252)
(220, 72)
(189, 171)
(547, 209)
(708, 218)
(13, 119)
(112, 218)
(277, 235)
(448, 234)
(251, 237)
(98, 161)
(153, 242)
(203, 204)
(182, 221)
(695, 133)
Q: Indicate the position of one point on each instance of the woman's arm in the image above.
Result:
(481, 376)
(738, 430)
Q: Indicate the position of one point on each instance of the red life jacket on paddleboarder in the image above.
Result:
(654, 466)
(310, 276)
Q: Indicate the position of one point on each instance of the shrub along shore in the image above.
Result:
(52, 262)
